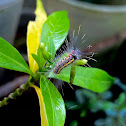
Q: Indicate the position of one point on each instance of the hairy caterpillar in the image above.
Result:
(74, 55)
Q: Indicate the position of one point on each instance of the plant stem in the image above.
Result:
(19, 90)
(16, 93)
(120, 84)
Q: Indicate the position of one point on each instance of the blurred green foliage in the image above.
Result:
(88, 101)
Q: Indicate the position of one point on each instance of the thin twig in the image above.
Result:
(19, 90)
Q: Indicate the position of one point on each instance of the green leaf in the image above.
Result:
(83, 113)
(54, 104)
(35, 58)
(121, 99)
(55, 30)
(51, 48)
(93, 79)
(74, 123)
(106, 105)
(39, 59)
(11, 59)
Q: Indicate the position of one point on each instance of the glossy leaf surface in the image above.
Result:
(93, 79)
(54, 104)
(55, 30)
(11, 59)
(42, 106)
(34, 33)
(39, 59)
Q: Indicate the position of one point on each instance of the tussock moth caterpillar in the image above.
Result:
(74, 54)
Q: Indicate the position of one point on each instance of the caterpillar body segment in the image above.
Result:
(64, 63)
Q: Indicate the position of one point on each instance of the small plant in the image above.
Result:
(87, 101)
(45, 35)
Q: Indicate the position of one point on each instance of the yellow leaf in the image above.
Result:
(44, 121)
(33, 34)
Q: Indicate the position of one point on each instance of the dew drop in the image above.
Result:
(57, 108)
